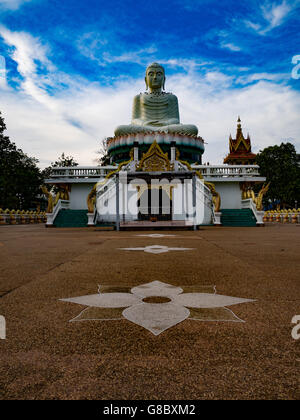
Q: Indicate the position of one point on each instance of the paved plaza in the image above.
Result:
(222, 328)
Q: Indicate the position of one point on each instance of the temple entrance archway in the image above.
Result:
(155, 204)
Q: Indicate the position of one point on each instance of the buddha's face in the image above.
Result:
(155, 77)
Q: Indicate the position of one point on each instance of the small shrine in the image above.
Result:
(240, 149)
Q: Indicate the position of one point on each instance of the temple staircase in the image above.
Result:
(71, 218)
(238, 217)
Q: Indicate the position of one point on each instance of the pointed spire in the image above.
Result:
(239, 148)
(239, 127)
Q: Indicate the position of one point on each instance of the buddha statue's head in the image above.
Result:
(155, 77)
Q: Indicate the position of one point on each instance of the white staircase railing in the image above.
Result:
(106, 188)
(205, 196)
(104, 193)
(249, 204)
(61, 204)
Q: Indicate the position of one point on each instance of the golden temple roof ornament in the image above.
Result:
(240, 148)
(154, 160)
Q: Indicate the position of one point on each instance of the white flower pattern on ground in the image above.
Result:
(157, 317)
(156, 235)
(156, 249)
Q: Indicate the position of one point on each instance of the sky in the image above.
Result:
(70, 69)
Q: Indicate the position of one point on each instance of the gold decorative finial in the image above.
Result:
(239, 127)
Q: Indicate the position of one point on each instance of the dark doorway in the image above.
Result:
(155, 205)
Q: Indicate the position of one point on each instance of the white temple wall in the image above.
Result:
(78, 196)
(231, 195)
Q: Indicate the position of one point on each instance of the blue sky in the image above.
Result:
(73, 66)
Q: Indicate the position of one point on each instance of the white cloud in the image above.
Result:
(274, 15)
(225, 40)
(269, 112)
(75, 119)
(255, 26)
(27, 51)
(12, 4)
(250, 78)
(140, 57)
(187, 64)
(91, 45)
(230, 46)
(218, 80)
(32, 62)
(2, 72)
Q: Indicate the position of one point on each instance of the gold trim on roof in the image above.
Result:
(110, 174)
(154, 160)
(235, 144)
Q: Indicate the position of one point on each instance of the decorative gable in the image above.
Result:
(240, 149)
(154, 160)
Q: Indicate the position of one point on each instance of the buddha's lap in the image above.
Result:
(188, 129)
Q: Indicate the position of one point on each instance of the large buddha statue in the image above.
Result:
(155, 110)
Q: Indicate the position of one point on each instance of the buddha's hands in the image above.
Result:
(161, 123)
(155, 123)
(138, 121)
(142, 123)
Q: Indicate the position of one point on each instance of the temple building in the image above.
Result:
(240, 149)
(156, 178)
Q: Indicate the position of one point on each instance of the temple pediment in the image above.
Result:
(154, 160)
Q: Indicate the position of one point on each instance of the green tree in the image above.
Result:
(104, 158)
(62, 161)
(280, 165)
(20, 178)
